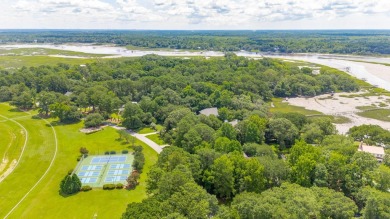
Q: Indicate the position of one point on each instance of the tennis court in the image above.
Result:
(95, 171)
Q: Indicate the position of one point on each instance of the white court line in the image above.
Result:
(47, 170)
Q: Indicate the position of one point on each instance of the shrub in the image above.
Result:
(109, 186)
(119, 186)
(70, 184)
(139, 159)
(112, 152)
(86, 188)
(153, 126)
(107, 153)
(78, 158)
(93, 120)
(132, 181)
(125, 152)
(70, 171)
(84, 151)
(137, 149)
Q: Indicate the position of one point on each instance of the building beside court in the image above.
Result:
(378, 152)
(96, 171)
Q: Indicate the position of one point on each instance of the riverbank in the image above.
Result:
(348, 105)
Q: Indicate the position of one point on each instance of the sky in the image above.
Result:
(195, 14)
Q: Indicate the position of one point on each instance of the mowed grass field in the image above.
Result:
(44, 201)
(156, 138)
(12, 138)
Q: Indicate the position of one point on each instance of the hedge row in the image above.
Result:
(139, 159)
(112, 186)
(86, 188)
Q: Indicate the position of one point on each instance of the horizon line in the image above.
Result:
(101, 29)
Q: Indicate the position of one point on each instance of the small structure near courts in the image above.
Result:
(95, 171)
(378, 152)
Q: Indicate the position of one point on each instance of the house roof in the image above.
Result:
(209, 111)
(372, 149)
(234, 122)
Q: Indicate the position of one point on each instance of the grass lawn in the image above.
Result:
(12, 138)
(284, 107)
(148, 130)
(20, 61)
(378, 114)
(34, 162)
(159, 127)
(44, 201)
(156, 138)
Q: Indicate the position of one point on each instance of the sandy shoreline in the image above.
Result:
(344, 106)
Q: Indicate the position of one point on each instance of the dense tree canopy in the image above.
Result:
(284, 164)
(304, 41)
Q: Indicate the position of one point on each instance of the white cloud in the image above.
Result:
(197, 14)
(131, 10)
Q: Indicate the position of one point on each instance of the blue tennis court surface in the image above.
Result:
(119, 166)
(96, 171)
(91, 167)
(118, 172)
(88, 180)
(111, 179)
(108, 159)
(88, 173)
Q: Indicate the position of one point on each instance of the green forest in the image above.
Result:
(363, 42)
(268, 165)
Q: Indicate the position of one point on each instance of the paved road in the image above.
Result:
(147, 141)
(142, 137)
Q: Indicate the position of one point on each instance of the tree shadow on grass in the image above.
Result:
(17, 110)
(58, 123)
(66, 195)
(36, 117)
(122, 141)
